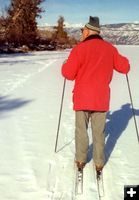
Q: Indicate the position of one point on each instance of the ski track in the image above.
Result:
(18, 79)
(29, 167)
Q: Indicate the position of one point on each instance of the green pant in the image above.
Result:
(98, 120)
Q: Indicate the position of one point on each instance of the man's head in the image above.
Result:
(91, 28)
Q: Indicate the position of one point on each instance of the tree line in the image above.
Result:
(18, 26)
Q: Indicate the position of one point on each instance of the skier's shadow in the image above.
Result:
(115, 126)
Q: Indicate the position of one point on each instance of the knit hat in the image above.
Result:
(93, 24)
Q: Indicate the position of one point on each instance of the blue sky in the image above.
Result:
(78, 11)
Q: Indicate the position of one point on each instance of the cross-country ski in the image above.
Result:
(79, 182)
(100, 184)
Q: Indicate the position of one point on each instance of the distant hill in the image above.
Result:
(125, 33)
(122, 33)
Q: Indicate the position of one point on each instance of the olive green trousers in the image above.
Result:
(98, 120)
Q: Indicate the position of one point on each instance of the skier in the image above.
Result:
(91, 64)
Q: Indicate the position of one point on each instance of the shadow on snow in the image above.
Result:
(7, 104)
(115, 126)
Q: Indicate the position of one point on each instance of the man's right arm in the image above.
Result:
(71, 66)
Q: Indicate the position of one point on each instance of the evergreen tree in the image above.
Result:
(61, 35)
(2, 30)
(22, 25)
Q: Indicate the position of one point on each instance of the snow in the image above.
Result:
(31, 88)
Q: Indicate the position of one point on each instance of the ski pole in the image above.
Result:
(60, 113)
(131, 100)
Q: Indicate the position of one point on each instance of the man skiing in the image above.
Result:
(91, 64)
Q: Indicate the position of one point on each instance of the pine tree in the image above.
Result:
(61, 35)
(2, 29)
(22, 25)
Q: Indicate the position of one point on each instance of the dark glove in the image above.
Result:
(65, 61)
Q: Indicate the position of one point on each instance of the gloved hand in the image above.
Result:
(65, 61)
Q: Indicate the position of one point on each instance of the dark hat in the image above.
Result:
(93, 24)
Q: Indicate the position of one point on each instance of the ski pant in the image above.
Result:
(98, 120)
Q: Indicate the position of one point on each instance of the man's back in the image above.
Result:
(91, 64)
(96, 58)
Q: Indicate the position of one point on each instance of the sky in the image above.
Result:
(77, 12)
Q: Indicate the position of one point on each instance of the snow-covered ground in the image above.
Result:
(30, 97)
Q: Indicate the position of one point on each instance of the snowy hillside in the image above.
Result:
(122, 33)
(126, 33)
(30, 98)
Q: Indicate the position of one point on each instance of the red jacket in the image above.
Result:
(91, 64)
